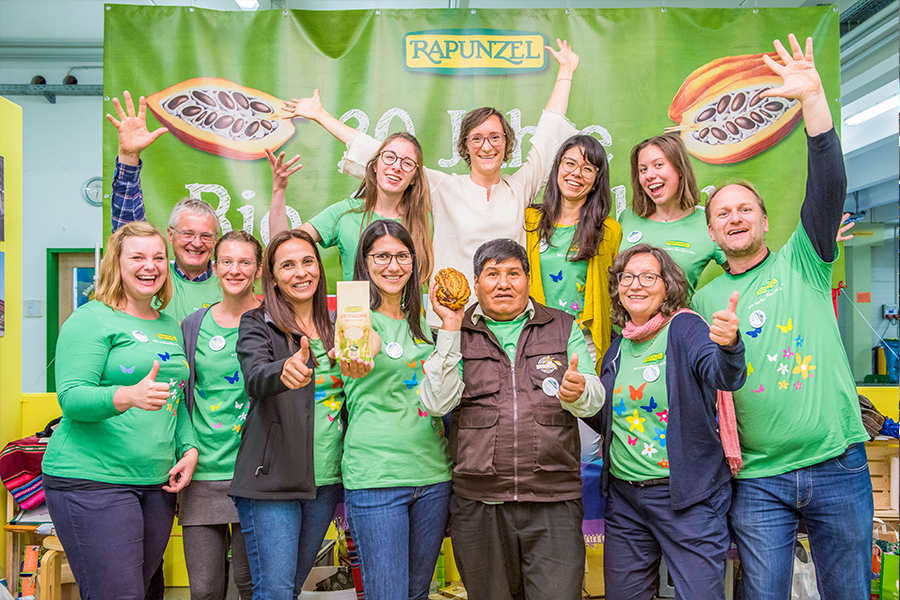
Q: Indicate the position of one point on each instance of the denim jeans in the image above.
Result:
(283, 538)
(834, 498)
(398, 533)
(114, 538)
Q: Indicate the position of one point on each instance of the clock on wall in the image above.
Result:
(93, 191)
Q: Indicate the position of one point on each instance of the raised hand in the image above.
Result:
(567, 59)
(307, 108)
(801, 80)
(841, 237)
(134, 137)
(295, 374)
(451, 319)
(725, 323)
(572, 386)
(180, 475)
(282, 169)
(146, 394)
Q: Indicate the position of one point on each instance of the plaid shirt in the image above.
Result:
(128, 205)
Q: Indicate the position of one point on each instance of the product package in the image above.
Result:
(354, 322)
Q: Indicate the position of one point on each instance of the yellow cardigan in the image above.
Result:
(596, 311)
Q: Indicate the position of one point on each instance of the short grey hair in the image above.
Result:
(499, 250)
(194, 206)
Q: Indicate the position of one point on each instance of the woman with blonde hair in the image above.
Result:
(110, 474)
(394, 187)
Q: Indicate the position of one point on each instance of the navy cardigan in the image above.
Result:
(695, 368)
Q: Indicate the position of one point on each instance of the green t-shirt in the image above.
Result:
(98, 351)
(329, 429)
(563, 281)
(220, 402)
(687, 241)
(799, 406)
(341, 225)
(640, 414)
(390, 440)
(191, 296)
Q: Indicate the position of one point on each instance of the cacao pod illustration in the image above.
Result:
(222, 117)
(451, 288)
(721, 117)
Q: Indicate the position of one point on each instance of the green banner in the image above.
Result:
(641, 71)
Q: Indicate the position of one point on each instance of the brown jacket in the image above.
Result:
(509, 440)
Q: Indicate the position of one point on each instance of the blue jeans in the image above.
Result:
(398, 533)
(283, 538)
(834, 498)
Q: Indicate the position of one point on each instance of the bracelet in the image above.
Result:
(564, 79)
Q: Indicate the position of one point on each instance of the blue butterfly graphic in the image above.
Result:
(558, 277)
(127, 370)
(320, 395)
(411, 383)
(652, 405)
(164, 356)
(754, 332)
(620, 409)
(201, 393)
(235, 379)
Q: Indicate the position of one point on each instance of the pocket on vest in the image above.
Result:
(476, 440)
(556, 441)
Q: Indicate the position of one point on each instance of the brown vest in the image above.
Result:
(509, 440)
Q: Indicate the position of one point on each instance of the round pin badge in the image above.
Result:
(757, 318)
(550, 386)
(216, 343)
(394, 350)
(140, 336)
(634, 237)
(651, 373)
(542, 246)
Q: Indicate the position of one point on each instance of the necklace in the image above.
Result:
(679, 216)
(647, 349)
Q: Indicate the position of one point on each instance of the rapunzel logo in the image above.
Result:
(164, 336)
(654, 357)
(678, 243)
(772, 283)
(468, 51)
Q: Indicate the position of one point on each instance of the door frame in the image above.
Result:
(53, 308)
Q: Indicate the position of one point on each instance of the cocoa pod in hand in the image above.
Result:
(451, 288)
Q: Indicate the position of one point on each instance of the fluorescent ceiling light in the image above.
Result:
(873, 111)
(248, 4)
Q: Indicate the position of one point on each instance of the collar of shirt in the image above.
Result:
(478, 313)
(201, 277)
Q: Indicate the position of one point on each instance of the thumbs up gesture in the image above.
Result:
(295, 374)
(724, 326)
(572, 386)
(146, 394)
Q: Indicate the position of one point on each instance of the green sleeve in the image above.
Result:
(577, 345)
(81, 353)
(718, 255)
(184, 431)
(326, 222)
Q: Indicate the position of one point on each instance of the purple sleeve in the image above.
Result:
(127, 198)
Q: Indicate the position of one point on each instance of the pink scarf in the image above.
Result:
(725, 400)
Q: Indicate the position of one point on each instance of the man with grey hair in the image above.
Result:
(193, 224)
(508, 369)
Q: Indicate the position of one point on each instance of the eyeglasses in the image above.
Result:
(383, 258)
(407, 164)
(495, 139)
(588, 171)
(645, 279)
(226, 263)
(190, 236)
